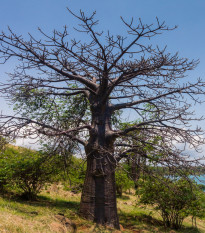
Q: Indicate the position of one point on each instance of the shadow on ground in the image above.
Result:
(123, 197)
(60, 205)
(140, 221)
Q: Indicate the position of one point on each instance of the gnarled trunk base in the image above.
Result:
(98, 201)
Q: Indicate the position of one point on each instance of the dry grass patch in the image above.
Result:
(40, 216)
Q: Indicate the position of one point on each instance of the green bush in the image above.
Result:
(75, 175)
(27, 171)
(175, 199)
(123, 182)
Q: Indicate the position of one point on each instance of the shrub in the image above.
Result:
(75, 175)
(27, 171)
(3, 143)
(197, 207)
(123, 182)
(175, 199)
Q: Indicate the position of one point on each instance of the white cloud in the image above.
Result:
(27, 142)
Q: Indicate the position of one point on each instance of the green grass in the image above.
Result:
(18, 216)
(139, 218)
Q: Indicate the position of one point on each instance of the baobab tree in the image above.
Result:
(111, 75)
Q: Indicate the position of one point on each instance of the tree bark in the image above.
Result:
(98, 201)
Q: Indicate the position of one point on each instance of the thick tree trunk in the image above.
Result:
(98, 201)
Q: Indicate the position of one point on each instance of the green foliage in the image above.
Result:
(3, 143)
(27, 171)
(75, 175)
(123, 182)
(175, 199)
(65, 111)
(197, 207)
(202, 187)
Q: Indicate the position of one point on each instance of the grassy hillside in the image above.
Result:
(56, 211)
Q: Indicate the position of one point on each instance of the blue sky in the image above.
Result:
(27, 15)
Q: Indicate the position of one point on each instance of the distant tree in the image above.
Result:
(111, 74)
